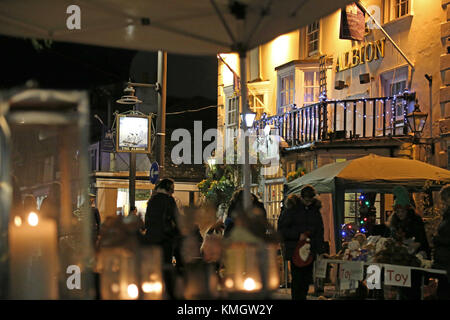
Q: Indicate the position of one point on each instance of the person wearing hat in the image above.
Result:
(302, 231)
(406, 224)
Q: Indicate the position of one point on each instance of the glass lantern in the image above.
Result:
(242, 270)
(45, 210)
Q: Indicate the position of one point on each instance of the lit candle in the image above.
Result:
(33, 258)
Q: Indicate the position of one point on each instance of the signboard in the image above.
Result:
(367, 52)
(154, 172)
(397, 276)
(352, 23)
(133, 133)
(320, 268)
(352, 270)
(108, 142)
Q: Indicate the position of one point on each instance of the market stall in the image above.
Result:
(371, 173)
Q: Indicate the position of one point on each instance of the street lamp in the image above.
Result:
(129, 97)
(416, 120)
(249, 118)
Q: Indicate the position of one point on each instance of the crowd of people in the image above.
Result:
(300, 234)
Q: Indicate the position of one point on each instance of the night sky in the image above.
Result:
(191, 80)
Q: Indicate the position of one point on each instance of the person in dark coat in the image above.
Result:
(161, 219)
(441, 242)
(162, 228)
(95, 219)
(302, 219)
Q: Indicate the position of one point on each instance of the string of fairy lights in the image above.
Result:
(349, 106)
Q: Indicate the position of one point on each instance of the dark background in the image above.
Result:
(191, 80)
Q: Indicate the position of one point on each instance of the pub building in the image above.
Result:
(333, 99)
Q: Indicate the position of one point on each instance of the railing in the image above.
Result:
(342, 119)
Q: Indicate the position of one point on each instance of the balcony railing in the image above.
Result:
(342, 119)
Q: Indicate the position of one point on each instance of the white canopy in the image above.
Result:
(179, 26)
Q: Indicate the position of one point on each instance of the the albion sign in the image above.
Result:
(356, 56)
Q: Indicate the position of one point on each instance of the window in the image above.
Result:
(256, 104)
(231, 120)
(401, 8)
(273, 196)
(232, 112)
(393, 82)
(395, 9)
(312, 38)
(287, 91)
(311, 87)
(398, 88)
(352, 207)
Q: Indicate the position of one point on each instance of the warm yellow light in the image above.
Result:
(281, 49)
(115, 288)
(33, 219)
(249, 284)
(18, 221)
(133, 291)
(232, 60)
(229, 283)
(152, 287)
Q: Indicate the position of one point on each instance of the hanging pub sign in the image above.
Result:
(133, 133)
(367, 52)
(353, 23)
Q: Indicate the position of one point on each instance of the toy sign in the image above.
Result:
(352, 270)
(397, 276)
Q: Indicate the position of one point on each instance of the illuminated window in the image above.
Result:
(273, 196)
(312, 36)
(232, 112)
(231, 120)
(311, 87)
(395, 9)
(401, 8)
(352, 208)
(287, 90)
(256, 104)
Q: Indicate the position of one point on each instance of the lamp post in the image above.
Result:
(416, 123)
(416, 120)
(130, 99)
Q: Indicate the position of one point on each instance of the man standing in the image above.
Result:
(162, 226)
(302, 220)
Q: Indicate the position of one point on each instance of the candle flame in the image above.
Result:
(229, 283)
(133, 291)
(152, 287)
(18, 221)
(115, 288)
(249, 284)
(33, 219)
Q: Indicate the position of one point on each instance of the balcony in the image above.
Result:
(342, 120)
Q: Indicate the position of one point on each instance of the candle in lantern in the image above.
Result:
(33, 258)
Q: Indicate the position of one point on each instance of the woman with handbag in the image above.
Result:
(301, 229)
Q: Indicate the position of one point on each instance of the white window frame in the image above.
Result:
(283, 74)
(230, 99)
(390, 9)
(316, 84)
(308, 41)
(260, 88)
(389, 78)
